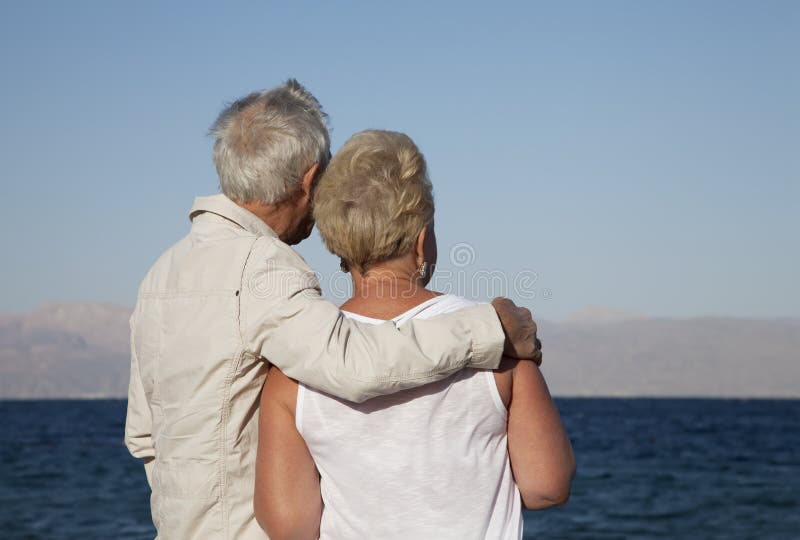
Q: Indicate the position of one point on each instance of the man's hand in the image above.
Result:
(520, 329)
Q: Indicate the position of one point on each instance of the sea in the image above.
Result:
(647, 468)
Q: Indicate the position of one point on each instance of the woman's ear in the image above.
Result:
(420, 247)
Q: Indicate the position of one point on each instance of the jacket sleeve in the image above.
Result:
(284, 319)
(138, 421)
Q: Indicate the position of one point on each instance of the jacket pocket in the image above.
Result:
(190, 479)
(185, 501)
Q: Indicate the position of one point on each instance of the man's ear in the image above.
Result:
(308, 178)
(420, 247)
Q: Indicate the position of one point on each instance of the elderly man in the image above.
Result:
(232, 296)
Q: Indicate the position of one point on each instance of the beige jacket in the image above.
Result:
(209, 312)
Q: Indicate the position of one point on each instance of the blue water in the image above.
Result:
(706, 469)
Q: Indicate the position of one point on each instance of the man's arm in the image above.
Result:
(287, 499)
(138, 421)
(284, 319)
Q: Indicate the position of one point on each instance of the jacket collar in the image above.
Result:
(222, 206)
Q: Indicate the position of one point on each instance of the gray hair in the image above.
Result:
(266, 141)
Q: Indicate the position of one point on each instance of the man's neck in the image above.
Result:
(277, 216)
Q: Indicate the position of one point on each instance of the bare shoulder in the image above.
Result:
(519, 377)
(529, 381)
(279, 390)
(503, 378)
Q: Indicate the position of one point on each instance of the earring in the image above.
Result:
(423, 270)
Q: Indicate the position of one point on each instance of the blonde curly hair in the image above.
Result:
(374, 198)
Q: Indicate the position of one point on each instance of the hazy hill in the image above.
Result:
(674, 357)
(65, 350)
(81, 350)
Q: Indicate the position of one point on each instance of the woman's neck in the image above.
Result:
(386, 291)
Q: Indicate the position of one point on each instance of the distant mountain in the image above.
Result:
(81, 350)
(715, 357)
(599, 314)
(65, 350)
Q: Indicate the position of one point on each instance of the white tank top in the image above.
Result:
(430, 462)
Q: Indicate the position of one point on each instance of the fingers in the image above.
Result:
(502, 304)
(522, 314)
(520, 329)
(526, 316)
(537, 358)
(525, 319)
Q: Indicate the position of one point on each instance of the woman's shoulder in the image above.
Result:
(504, 379)
(444, 303)
(522, 375)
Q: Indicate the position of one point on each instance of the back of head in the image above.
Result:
(266, 141)
(374, 198)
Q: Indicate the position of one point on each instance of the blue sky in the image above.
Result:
(643, 156)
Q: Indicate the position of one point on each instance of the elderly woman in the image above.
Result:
(454, 459)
